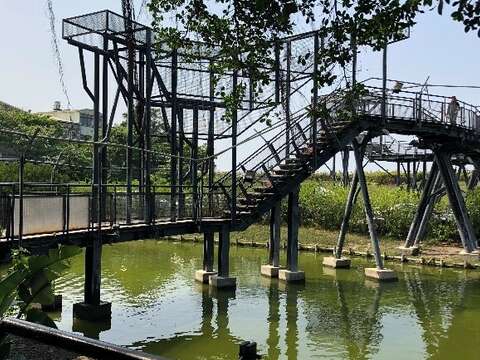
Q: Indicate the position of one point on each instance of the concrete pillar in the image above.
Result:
(223, 279)
(271, 270)
(291, 273)
(204, 274)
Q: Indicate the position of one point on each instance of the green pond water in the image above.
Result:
(158, 308)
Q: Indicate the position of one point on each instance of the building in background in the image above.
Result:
(79, 123)
(8, 107)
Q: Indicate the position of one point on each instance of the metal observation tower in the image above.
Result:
(272, 143)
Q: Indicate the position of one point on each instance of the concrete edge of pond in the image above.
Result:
(70, 341)
(418, 260)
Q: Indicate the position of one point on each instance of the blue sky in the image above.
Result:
(438, 48)
(28, 74)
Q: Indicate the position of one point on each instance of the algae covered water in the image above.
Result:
(158, 308)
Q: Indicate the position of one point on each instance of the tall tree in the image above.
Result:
(244, 31)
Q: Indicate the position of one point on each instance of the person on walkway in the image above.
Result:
(452, 110)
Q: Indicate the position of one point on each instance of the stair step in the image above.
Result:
(246, 207)
(291, 167)
(261, 189)
(248, 201)
(261, 195)
(294, 161)
(279, 177)
(286, 172)
(238, 213)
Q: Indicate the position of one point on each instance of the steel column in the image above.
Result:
(316, 50)
(103, 149)
(208, 251)
(399, 174)
(93, 253)
(274, 243)
(210, 145)
(224, 252)
(384, 85)
(345, 161)
(21, 185)
(180, 190)
(293, 218)
(130, 122)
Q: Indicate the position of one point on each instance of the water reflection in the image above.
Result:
(214, 337)
(157, 307)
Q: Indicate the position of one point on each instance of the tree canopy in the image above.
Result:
(245, 30)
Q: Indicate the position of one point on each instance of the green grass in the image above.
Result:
(311, 236)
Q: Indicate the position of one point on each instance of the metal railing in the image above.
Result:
(65, 208)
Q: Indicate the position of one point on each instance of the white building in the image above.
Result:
(82, 119)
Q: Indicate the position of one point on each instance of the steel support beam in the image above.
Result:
(422, 228)
(368, 206)
(457, 203)
(150, 200)
(346, 216)
(425, 200)
(287, 99)
(345, 161)
(194, 165)
(173, 139)
(233, 194)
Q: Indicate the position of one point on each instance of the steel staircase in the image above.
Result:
(285, 167)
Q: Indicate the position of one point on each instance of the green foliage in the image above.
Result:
(30, 281)
(243, 32)
(75, 156)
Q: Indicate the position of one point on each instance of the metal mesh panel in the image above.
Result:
(89, 29)
(137, 209)
(162, 206)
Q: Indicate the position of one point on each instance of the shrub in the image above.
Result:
(322, 204)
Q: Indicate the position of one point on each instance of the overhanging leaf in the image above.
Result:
(39, 317)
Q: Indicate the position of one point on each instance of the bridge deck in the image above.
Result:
(118, 233)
